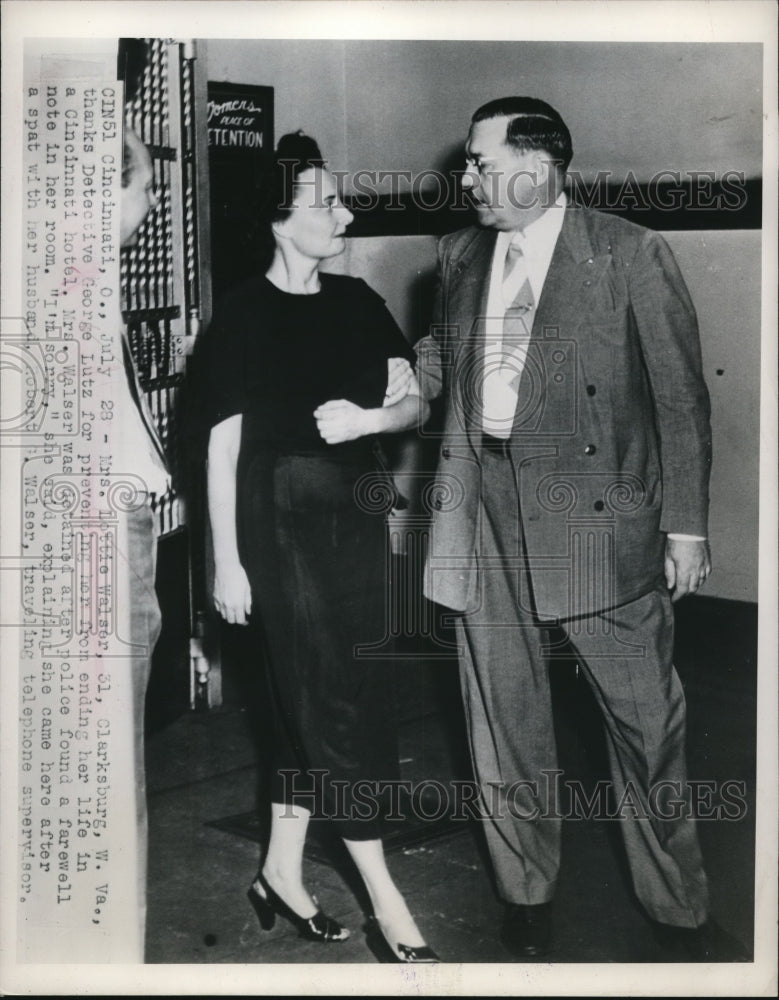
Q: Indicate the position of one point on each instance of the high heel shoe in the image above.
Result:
(267, 903)
(385, 952)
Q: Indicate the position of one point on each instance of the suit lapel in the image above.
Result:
(573, 275)
(572, 272)
(470, 284)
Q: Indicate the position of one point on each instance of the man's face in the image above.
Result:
(501, 182)
(139, 197)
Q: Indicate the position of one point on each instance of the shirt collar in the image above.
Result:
(542, 233)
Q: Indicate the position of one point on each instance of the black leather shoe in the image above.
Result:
(707, 943)
(527, 930)
(267, 903)
(385, 952)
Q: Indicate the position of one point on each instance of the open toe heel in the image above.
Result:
(385, 952)
(267, 904)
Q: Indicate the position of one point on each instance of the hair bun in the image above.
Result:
(298, 146)
(295, 153)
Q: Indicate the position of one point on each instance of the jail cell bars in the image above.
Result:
(161, 282)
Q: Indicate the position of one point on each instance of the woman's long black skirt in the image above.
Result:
(312, 538)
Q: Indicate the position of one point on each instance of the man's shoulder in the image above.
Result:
(455, 244)
(465, 234)
(609, 231)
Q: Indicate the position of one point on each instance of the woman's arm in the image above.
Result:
(232, 593)
(339, 420)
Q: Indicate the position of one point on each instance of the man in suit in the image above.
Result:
(572, 490)
(137, 450)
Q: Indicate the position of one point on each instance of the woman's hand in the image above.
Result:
(232, 593)
(399, 378)
(339, 420)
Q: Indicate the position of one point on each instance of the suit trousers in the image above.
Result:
(145, 626)
(626, 656)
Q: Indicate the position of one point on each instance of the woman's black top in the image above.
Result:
(275, 357)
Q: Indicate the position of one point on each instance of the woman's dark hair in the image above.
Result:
(533, 124)
(295, 153)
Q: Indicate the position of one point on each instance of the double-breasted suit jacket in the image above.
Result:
(611, 441)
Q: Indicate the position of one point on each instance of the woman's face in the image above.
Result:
(317, 222)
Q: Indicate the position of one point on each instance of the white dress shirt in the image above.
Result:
(133, 450)
(537, 241)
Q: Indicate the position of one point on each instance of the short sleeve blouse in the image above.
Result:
(274, 357)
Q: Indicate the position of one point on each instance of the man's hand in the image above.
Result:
(339, 420)
(399, 377)
(687, 566)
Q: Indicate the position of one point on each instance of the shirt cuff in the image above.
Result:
(686, 538)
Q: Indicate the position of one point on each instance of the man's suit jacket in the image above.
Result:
(611, 441)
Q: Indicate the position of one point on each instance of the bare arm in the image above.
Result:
(232, 593)
(339, 420)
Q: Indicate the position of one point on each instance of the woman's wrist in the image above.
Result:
(374, 421)
(227, 565)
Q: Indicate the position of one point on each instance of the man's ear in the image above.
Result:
(541, 166)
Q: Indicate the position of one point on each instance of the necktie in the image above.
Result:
(137, 394)
(518, 319)
(505, 355)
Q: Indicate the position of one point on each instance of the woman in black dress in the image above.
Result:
(304, 370)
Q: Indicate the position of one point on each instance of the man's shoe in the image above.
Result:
(707, 943)
(527, 930)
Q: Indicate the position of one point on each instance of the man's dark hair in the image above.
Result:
(534, 124)
(131, 59)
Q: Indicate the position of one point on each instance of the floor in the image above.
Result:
(204, 766)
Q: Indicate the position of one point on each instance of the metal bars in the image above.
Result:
(161, 274)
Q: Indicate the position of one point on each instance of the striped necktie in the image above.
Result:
(518, 319)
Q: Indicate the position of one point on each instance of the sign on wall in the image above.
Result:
(240, 138)
(240, 117)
